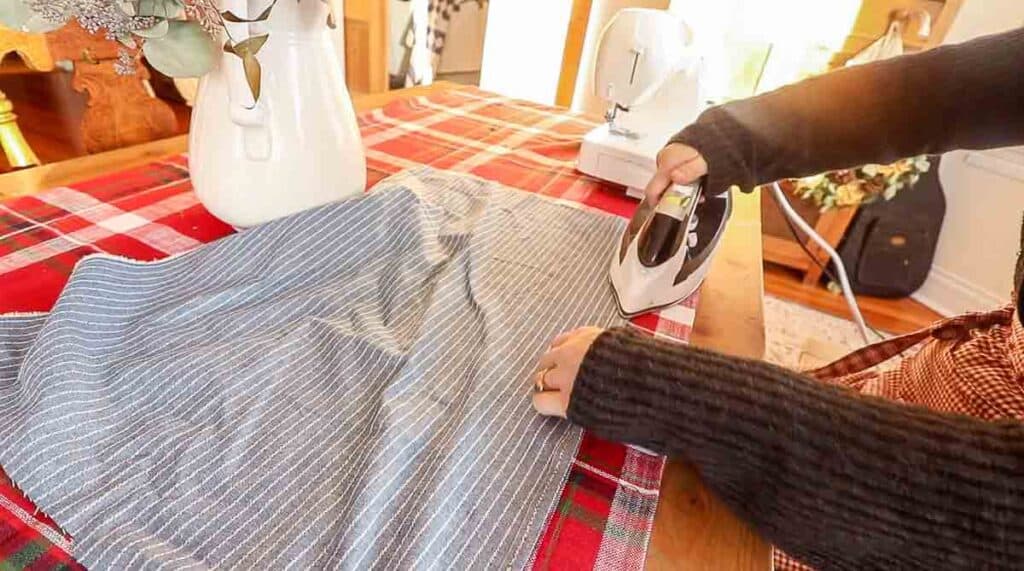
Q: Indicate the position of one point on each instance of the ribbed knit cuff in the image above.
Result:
(604, 380)
(611, 395)
(711, 136)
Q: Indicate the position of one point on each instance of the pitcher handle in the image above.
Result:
(251, 116)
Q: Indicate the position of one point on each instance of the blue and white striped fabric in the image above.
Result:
(344, 388)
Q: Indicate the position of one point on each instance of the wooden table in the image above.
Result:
(692, 529)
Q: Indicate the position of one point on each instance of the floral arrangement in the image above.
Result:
(179, 38)
(861, 185)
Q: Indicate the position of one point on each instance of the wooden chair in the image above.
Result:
(32, 51)
(120, 109)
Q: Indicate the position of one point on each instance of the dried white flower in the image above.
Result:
(204, 13)
(110, 16)
(125, 64)
(181, 38)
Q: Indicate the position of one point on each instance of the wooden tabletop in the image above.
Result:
(692, 529)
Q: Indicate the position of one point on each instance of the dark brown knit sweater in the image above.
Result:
(838, 480)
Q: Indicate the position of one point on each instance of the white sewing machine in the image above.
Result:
(650, 73)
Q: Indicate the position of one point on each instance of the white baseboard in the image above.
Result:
(949, 294)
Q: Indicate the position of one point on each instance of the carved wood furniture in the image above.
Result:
(120, 110)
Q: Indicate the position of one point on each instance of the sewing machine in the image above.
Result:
(650, 74)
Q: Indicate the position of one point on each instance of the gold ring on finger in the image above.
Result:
(542, 386)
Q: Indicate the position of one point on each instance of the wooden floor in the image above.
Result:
(901, 315)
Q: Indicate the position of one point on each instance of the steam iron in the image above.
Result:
(666, 249)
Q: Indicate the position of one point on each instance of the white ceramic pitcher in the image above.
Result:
(299, 146)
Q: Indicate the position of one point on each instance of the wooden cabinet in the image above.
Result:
(119, 110)
(366, 45)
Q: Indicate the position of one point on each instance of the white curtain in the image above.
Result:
(420, 69)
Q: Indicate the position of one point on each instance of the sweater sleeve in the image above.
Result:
(836, 479)
(964, 96)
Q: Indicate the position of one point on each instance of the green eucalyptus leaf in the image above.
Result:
(186, 50)
(158, 31)
(39, 25)
(126, 7)
(169, 9)
(230, 16)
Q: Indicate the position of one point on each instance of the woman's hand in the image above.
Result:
(677, 163)
(557, 370)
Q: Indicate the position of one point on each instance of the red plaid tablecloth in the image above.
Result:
(606, 510)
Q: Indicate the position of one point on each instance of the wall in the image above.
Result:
(463, 50)
(974, 262)
(981, 17)
(523, 48)
(802, 34)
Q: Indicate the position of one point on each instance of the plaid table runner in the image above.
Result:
(605, 514)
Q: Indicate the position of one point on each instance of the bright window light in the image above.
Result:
(757, 45)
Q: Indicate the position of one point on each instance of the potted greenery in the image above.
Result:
(268, 137)
(860, 185)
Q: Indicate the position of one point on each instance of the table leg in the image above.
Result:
(19, 154)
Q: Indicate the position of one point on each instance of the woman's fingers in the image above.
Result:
(539, 382)
(689, 172)
(551, 376)
(548, 360)
(549, 404)
(562, 338)
(677, 164)
(556, 371)
(658, 185)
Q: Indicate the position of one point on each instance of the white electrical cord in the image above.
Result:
(844, 282)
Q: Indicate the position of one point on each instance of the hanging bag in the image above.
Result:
(889, 45)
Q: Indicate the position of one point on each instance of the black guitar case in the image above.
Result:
(889, 246)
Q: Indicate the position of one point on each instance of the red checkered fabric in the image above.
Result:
(145, 213)
(28, 539)
(971, 364)
(606, 510)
